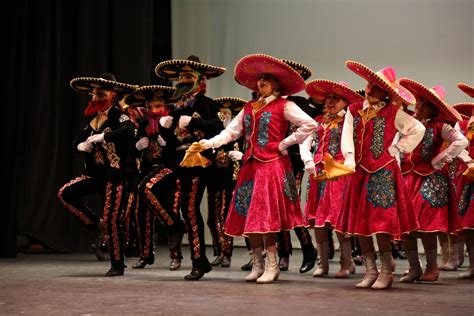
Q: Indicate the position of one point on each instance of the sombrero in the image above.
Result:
(249, 69)
(435, 95)
(147, 93)
(469, 90)
(320, 89)
(303, 70)
(170, 69)
(106, 81)
(465, 108)
(332, 169)
(384, 78)
(232, 103)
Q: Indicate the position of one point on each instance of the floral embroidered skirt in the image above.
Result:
(465, 196)
(377, 203)
(324, 200)
(434, 201)
(265, 199)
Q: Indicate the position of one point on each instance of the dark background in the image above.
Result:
(45, 44)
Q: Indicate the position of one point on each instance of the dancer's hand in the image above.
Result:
(143, 143)
(166, 121)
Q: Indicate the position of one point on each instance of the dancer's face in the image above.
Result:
(267, 84)
(374, 93)
(334, 103)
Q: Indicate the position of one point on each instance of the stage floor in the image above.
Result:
(45, 284)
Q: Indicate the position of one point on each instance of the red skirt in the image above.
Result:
(324, 200)
(465, 196)
(434, 200)
(265, 199)
(377, 203)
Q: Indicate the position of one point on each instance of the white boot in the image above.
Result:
(385, 279)
(469, 274)
(453, 259)
(323, 263)
(272, 270)
(415, 272)
(371, 273)
(257, 265)
(347, 263)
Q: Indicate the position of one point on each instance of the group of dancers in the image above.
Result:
(392, 161)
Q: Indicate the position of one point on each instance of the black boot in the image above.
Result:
(142, 262)
(247, 266)
(309, 259)
(198, 272)
(284, 263)
(217, 261)
(115, 271)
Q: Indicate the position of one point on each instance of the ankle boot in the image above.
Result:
(323, 263)
(272, 270)
(257, 265)
(371, 273)
(415, 271)
(453, 259)
(469, 274)
(347, 264)
(385, 279)
(432, 272)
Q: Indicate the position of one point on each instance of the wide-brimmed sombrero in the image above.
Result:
(319, 89)
(384, 78)
(469, 90)
(232, 103)
(249, 69)
(303, 70)
(435, 96)
(465, 108)
(170, 69)
(147, 93)
(105, 81)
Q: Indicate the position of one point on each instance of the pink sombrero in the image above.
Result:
(435, 95)
(384, 78)
(249, 69)
(319, 90)
(469, 90)
(465, 108)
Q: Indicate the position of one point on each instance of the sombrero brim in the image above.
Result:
(393, 89)
(465, 108)
(303, 70)
(320, 89)
(170, 69)
(234, 104)
(249, 69)
(142, 94)
(419, 90)
(469, 90)
(87, 85)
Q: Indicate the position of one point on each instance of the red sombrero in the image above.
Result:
(435, 95)
(303, 70)
(146, 93)
(319, 90)
(464, 108)
(469, 90)
(384, 78)
(249, 69)
(170, 69)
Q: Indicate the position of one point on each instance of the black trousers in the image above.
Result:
(115, 203)
(159, 198)
(220, 187)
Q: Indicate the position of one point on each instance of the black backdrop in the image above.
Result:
(47, 43)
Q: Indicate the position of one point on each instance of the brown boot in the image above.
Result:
(272, 270)
(257, 265)
(385, 279)
(347, 263)
(432, 272)
(371, 273)
(323, 263)
(415, 272)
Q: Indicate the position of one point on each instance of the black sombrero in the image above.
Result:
(232, 103)
(147, 93)
(303, 70)
(105, 81)
(170, 69)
